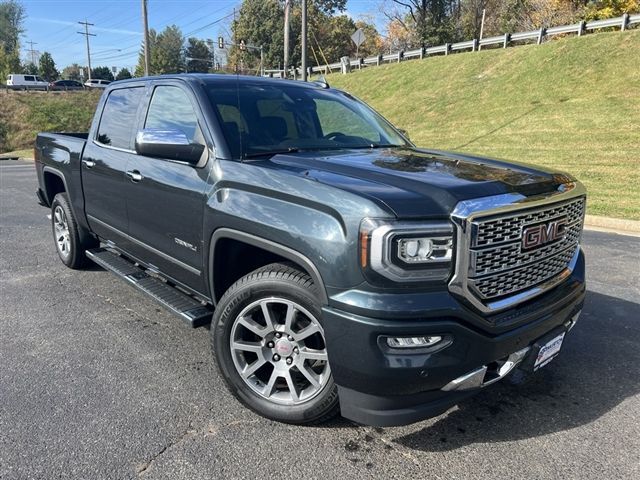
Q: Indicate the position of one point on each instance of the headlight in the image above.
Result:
(405, 251)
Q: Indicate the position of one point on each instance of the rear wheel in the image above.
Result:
(270, 348)
(71, 240)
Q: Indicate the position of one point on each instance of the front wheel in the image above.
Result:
(269, 346)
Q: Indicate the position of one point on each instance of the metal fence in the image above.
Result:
(503, 41)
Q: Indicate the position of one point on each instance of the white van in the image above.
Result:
(26, 82)
(97, 83)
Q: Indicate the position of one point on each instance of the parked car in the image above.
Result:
(93, 83)
(66, 85)
(341, 267)
(19, 81)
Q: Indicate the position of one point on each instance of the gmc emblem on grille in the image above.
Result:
(543, 233)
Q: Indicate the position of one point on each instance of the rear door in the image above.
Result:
(165, 203)
(104, 163)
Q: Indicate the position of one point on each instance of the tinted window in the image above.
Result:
(260, 118)
(171, 109)
(119, 117)
(29, 78)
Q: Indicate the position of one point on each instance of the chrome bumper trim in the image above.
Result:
(483, 376)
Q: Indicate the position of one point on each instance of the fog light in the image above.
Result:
(412, 342)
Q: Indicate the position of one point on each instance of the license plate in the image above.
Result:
(549, 351)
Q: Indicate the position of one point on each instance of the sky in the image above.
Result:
(52, 26)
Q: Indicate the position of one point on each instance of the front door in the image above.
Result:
(166, 198)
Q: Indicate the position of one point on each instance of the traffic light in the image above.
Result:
(221, 43)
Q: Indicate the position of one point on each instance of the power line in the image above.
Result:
(32, 51)
(86, 36)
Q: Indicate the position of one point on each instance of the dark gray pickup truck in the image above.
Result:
(341, 268)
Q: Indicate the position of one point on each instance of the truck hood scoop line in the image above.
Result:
(412, 181)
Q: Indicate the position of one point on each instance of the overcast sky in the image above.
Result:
(52, 25)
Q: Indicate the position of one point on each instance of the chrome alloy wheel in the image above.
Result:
(279, 351)
(61, 231)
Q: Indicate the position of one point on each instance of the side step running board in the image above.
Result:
(186, 307)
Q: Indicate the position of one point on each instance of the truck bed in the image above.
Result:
(60, 154)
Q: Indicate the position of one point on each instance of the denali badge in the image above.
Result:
(543, 233)
(182, 243)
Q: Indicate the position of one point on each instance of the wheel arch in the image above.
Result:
(53, 179)
(273, 252)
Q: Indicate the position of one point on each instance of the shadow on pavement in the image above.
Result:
(597, 370)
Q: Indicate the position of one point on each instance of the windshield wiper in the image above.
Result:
(374, 145)
(271, 152)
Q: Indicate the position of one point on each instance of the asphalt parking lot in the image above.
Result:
(96, 381)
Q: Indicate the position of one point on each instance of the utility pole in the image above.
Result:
(32, 52)
(304, 40)
(287, 9)
(484, 10)
(145, 26)
(86, 36)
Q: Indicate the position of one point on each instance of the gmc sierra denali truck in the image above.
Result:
(341, 268)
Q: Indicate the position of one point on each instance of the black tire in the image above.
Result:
(284, 282)
(79, 240)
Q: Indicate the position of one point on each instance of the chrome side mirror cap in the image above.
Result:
(167, 143)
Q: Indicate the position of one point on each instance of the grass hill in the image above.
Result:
(573, 104)
(24, 114)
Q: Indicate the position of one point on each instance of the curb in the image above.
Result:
(616, 225)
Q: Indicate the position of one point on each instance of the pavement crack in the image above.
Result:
(143, 468)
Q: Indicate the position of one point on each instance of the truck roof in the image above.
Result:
(211, 78)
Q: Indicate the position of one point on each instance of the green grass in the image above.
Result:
(24, 114)
(571, 104)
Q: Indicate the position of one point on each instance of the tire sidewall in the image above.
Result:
(230, 306)
(76, 257)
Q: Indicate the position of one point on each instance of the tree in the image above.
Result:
(47, 68)
(12, 16)
(30, 69)
(72, 72)
(101, 73)
(167, 55)
(259, 22)
(601, 9)
(166, 50)
(432, 21)
(198, 56)
(123, 74)
(11, 19)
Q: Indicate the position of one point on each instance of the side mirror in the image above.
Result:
(165, 143)
(404, 133)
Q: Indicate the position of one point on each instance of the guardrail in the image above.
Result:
(505, 40)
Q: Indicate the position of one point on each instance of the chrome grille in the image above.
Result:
(498, 266)
(509, 228)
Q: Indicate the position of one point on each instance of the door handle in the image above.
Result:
(89, 163)
(134, 175)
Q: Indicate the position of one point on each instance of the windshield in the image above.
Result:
(262, 119)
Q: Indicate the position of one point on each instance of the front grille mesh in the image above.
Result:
(498, 265)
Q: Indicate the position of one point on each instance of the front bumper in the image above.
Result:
(383, 387)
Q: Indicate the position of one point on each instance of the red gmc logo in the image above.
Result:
(544, 233)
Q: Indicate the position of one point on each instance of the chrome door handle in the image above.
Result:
(89, 163)
(134, 175)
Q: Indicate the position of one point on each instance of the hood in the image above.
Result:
(418, 183)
